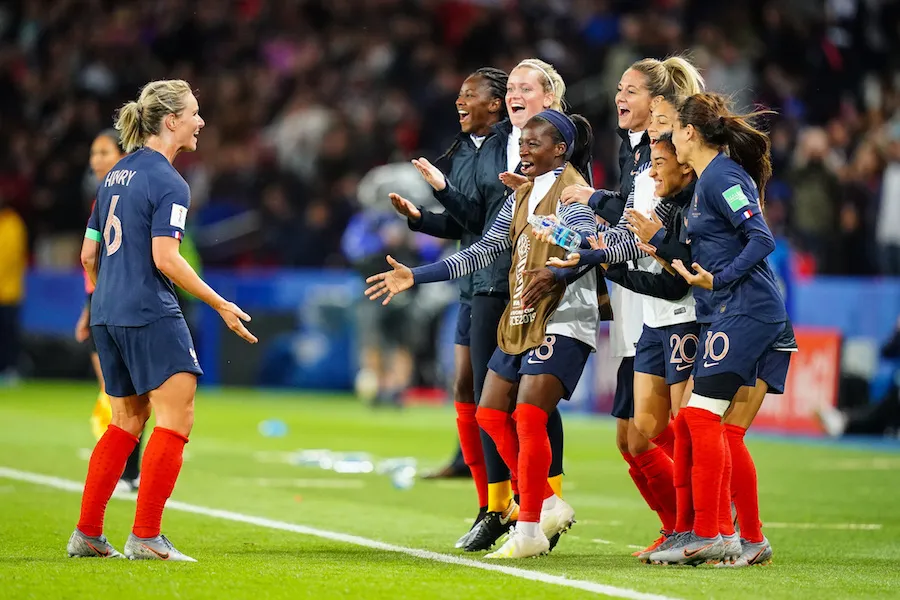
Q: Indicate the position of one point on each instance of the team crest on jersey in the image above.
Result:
(518, 314)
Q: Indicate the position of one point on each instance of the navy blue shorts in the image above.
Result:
(623, 403)
(136, 360)
(560, 356)
(735, 345)
(668, 351)
(463, 325)
(773, 369)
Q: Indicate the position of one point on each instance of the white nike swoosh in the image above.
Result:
(709, 364)
(683, 367)
(531, 361)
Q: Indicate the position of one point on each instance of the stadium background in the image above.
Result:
(314, 108)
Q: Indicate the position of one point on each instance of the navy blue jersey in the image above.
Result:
(730, 239)
(142, 197)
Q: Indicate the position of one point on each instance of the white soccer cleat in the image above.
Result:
(519, 545)
(158, 548)
(557, 519)
(83, 546)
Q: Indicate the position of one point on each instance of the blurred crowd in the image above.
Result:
(302, 98)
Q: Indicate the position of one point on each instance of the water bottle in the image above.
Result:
(560, 234)
(273, 428)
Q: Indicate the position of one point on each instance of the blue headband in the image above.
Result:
(564, 125)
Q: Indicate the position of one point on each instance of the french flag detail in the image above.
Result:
(747, 213)
(179, 235)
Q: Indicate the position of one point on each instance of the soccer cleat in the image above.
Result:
(83, 546)
(732, 550)
(158, 548)
(461, 542)
(753, 553)
(519, 545)
(494, 524)
(670, 542)
(652, 547)
(691, 550)
(557, 520)
(126, 486)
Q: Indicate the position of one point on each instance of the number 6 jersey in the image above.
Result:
(142, 197)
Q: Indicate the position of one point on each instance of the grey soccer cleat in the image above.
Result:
(669, 542)
(158, 548)
(691, 550)
(754, 553)
(733, 550)
(467, 536)
(83, 546)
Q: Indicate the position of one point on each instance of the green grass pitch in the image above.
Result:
(831, 512)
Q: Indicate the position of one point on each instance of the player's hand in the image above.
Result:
(405, 207)
(83, 326)
(234, 317)
(644, 228)
(573, 194)
(430, 173)
(542, 281)
(513, 180)
(650, 250)
(390, 282)
(571, 260)
(702, 279)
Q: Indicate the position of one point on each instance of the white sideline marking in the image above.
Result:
(588, 586)
(599, 541)
(336, 484)
(838, 526)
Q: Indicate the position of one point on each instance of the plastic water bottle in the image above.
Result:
(273, 428)
(560, 234)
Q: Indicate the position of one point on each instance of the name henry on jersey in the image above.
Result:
(119, 177)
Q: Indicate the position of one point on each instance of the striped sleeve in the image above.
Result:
(621, 245)
(489, 247)
(578, 217)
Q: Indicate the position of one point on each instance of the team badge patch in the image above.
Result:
(735, 197)
(179, 216)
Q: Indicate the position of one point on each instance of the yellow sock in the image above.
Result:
(499, 495)
(101, 415)
(556, 483)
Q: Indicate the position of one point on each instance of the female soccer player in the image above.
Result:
(146, 352)
(543, 348)
(105, 152)
(480, 105)
(666, 243)
(533, 86)
(642, 88)
(738, 303)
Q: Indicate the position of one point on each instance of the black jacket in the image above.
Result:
(442, 225)
(610, 205)
(475, 210)
(671, 243)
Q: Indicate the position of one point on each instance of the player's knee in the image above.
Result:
(133, 423)
(638, 444)
(648, 425)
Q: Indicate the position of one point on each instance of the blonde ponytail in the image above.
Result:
(138, 120)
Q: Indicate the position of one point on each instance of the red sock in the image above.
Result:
(106, 466)
(535, 456)
(744, 489)
(666, 440)
(470, 442)
(657, 468)
(726, 521)
(640, 482)
(684, 500)
(499, 425)
(159, 471)
(708, 464)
